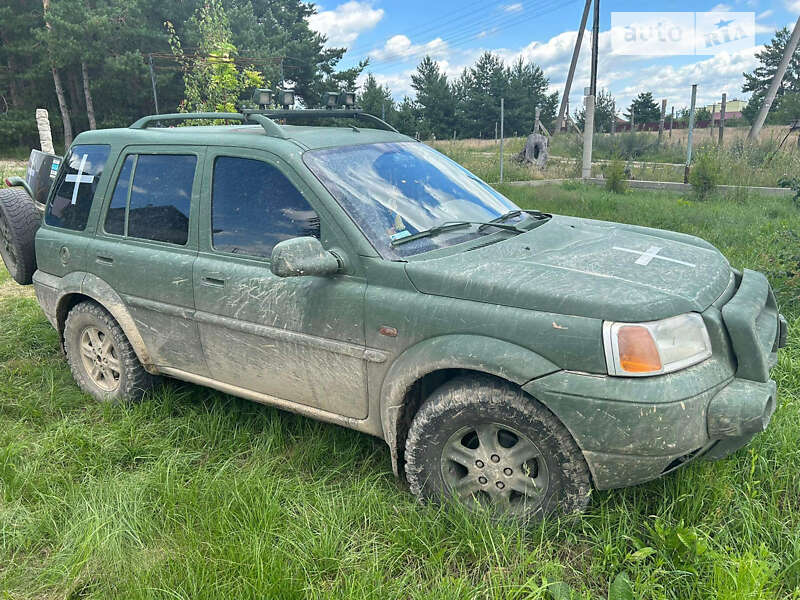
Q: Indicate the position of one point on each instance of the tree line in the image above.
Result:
(469, 105)
(94, 63)
(88, 61)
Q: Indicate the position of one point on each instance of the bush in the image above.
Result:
(616, 178)
(794, 184)
(705, 173)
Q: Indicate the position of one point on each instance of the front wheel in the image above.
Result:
(491, 445)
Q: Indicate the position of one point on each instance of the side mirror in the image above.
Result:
(302, 256)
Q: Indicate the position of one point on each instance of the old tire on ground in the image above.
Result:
(100, 357)
(489, 443)
(19, 221)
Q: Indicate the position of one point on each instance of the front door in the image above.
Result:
(146, 245)
(299, 339)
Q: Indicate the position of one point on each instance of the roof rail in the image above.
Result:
(316, 113)
(271, 128)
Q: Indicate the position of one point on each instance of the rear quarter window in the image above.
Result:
(75, 187)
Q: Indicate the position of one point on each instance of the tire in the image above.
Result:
(468, 439)
(121, 377)
(19, 221)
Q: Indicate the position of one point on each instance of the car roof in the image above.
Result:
(243, 136)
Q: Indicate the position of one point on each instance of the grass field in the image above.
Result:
(194, 494)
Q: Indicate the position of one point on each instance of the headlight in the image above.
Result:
(656, 347)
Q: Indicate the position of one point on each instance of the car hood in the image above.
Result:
(586, 268)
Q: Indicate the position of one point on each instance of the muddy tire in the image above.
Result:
(19, 221)
(492, 445)
(100, 357)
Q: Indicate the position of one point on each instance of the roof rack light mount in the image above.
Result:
(271, 128)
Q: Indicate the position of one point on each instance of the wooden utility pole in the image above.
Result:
(788, 52)
(661, 120)
(722, 118)
(691, 134)
(502, 118)
(537, 125)
(671, 122)
(713, 111)
(571, 73)
(633, 120)
(588, 128)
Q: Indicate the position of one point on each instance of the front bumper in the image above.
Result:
(632, 430)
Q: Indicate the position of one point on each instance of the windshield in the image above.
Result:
(395, 190)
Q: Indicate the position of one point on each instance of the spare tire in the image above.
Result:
(19, 221)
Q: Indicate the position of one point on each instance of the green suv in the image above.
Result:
(508, 357)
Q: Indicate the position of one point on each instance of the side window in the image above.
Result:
(254, 206)
(115, 216)
(152, 198)
(75, 187)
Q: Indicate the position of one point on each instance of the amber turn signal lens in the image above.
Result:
(637, 350)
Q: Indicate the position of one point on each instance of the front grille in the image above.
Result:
(751, 318)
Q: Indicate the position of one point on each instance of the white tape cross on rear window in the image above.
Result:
(79, 179)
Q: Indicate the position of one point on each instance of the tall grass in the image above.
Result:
(194, 494)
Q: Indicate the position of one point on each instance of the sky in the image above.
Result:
(396, 34)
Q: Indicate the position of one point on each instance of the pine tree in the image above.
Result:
(645, 109)
(376, 99)
(434, 99)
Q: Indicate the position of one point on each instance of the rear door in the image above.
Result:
(299, 339)
(146, 245)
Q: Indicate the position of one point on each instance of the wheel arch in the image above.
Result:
(428, 364)
(96, 290)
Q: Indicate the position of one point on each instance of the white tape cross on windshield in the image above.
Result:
(79, 179)
(646, 257)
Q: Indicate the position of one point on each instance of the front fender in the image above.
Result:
(476, 353)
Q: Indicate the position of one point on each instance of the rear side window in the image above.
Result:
(254, 206)
(155, 206)
(75, 187)
(115, 216)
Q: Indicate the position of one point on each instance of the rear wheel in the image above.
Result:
(19, 221)
(491, 445)
(102, 360)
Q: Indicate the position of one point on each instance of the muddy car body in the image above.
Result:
(518, 363)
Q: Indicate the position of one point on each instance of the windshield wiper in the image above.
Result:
(512, 215)
(450, 225)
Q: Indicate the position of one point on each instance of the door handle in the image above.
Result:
(212, 281)
(105, 260)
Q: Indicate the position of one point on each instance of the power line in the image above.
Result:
(432, 26)
(503, 25)
(496, 25)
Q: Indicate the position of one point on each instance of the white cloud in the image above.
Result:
(765, 15)
(511, 8)
(715, 75)
(399, 47)
(624, 76)
(346, 22)
(793, 5)
(721, 8)
(768, 29)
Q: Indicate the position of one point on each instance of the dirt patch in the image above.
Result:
(11, 289)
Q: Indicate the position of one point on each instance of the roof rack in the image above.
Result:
(265, 118)
(271, 128)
